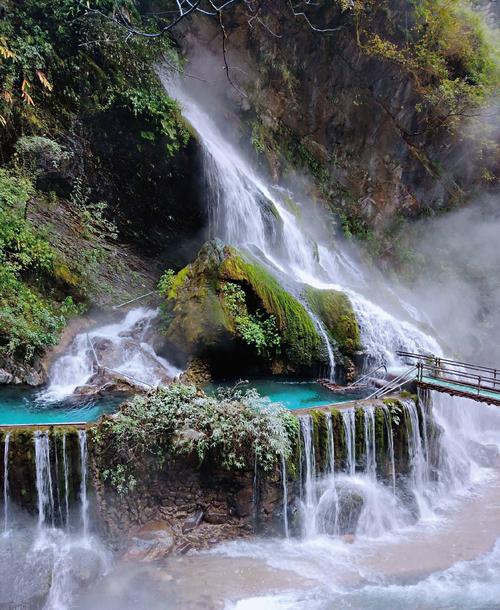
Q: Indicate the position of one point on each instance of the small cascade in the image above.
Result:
(326, 340)
(349, 422)
(309, 477)
(66, 481)
(44, 487)
(285, 496)
(370, 450)
(6, 483)
(390, 444)
(119, 348)
(419, 467)
(422, 405)
(327, 510)
(330, 447)
(84, 503)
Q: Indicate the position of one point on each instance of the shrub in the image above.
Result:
(234, 429)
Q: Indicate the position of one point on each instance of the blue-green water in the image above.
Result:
(21, 406)
(293, 394)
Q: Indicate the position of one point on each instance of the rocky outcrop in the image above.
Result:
(16, 373)
(229, 311)
(185, 506)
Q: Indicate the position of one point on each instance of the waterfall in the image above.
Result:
(419, 467)
(285, 496)
(330, 456)
(370, 450)
(309, 483)
(125, 352)
(44, 486)
(246, 211)
(66, 482)
(6, 482)
(326, 340)
(327, 510)
(390, 444)
(349, 422)
(84, 504)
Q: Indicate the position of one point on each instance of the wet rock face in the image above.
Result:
(155, 200)
(345, 116)
(154, 540)
(12, 372)
(184, 506)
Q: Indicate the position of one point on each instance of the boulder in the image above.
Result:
(152, 541)
(224, 301)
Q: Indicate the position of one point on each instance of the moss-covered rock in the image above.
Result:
(225, 305)
(335, 310)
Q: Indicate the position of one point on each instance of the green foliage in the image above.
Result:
(232, 430)
(29, 321)
(15, 190)
(165, 283)
(300, 340)
(58, 60)
(452, 54)
(91, 214)
(35, 154)
(256, 329)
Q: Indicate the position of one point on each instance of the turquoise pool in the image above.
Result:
(293, 394)
(21, 406)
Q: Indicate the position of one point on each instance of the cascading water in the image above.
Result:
(119, 347)
(84, 503)
(44, 487)
(370, 452)
(390, 444)
(327, 509)
(330, 458)
(66, 481)
(248, 213)
(419, 471)
(349, 422)
(285, 496)
(6, 483)
(309, 483)
(46, 566)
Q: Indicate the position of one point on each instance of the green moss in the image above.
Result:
(335, 310)
(320, 438)
(301, 342)
(338, 438)
(178, 282)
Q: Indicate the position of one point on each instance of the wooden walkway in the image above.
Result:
(478, 383)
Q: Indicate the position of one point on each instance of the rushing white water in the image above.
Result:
(285, 496)
(44, 487)
(6, 483)
(84, 503)
(370, 451)
(247, 212)
(309, 483)
(417, 457)
(330, 458)
(119, 347)
(349, 421)
(46, 566)
(66, 481)
(390, 444)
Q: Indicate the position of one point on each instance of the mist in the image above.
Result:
(458, 280)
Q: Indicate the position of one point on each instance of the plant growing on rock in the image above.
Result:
(234, 429)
